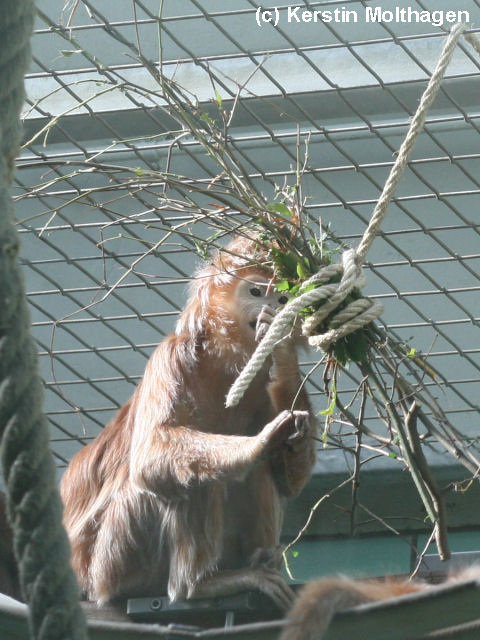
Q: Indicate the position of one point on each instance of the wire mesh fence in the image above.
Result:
(107, 256)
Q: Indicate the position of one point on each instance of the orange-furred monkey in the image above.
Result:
(320, 599)
(179, 494)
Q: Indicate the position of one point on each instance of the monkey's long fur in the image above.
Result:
(179, 494)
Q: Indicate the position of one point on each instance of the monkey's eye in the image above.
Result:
(283, 299)
(255, 291)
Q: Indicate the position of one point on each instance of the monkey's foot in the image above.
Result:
(273, 584)
(268, 581)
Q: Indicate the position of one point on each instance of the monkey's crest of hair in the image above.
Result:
(241, 258)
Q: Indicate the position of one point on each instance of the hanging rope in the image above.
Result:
(34, 508)
(406, 148)
(360, 312)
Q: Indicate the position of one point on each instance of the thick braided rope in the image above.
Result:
(352, 260)
(351, 277)
(474, 41)
(33, 504)
(407, 145)
(331, 294)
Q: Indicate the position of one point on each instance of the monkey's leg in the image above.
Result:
(268, 581)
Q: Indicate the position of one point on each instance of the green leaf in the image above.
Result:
(286, 263)
(331, 408)
(333, 402)
(356, 346)
(207, 119)
(280, 207)
(218, 99)
(310, 287)
(295, 554)
(392, 455)
(284, 285)
(139, 172)
(412, 353)
(303, 269)
(340, 351)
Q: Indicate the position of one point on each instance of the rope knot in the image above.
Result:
(355, 315)
(330, 294)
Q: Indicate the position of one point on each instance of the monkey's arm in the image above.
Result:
(178, 456)
(292, 460)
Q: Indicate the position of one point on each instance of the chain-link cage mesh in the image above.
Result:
(107, 260)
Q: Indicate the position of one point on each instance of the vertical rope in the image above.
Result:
(33, 503)
(406, 148)
(353, 258)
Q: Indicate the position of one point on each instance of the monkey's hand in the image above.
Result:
(287, 425)
(264, 320)
(302, 429)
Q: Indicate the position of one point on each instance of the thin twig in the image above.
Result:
(357, 460)
(312, 511)
(440, 525)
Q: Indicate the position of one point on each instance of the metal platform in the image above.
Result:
(447, 611)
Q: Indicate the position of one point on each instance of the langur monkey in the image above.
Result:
(179, 494)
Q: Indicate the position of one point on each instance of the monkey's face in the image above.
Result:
(255, 302)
